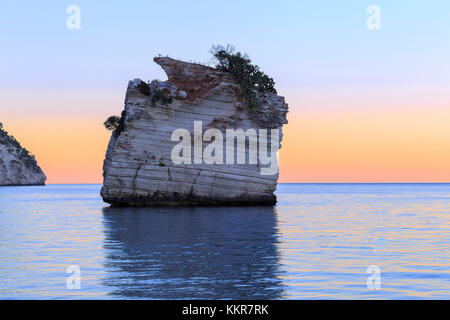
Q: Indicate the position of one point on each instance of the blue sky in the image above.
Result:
(300, 43)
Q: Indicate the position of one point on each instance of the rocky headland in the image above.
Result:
(17, 166)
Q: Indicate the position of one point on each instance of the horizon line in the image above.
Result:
(94, 183)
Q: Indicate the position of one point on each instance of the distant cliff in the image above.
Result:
(17, 165)
(139, 168)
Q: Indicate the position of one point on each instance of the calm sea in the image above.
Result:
(317, 243)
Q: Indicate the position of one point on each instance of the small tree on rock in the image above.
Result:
(112, 123)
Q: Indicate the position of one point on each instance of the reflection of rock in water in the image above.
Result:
(182, 253)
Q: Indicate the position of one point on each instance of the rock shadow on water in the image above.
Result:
(192, 253)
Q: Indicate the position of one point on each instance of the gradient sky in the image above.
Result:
(365, 105)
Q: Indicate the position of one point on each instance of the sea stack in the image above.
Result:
(17, 166)
(142, 166)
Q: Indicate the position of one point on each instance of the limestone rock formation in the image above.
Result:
(139, 168)
(17, 165)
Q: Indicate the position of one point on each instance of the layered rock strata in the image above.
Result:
(139, 168)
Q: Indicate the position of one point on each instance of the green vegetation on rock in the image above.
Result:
(250, 78)
(116, 123)
(160, 96)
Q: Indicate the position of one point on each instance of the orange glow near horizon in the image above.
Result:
(67, 152)
(332, 138)
(367, 147)
(337, 138)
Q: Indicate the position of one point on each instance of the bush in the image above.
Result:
(249, 77)
(112, 123)
(144, 88)
(115, 123)
(161, 96)
(157, 94)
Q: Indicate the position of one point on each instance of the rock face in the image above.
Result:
(17, 165)
(142, 166)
